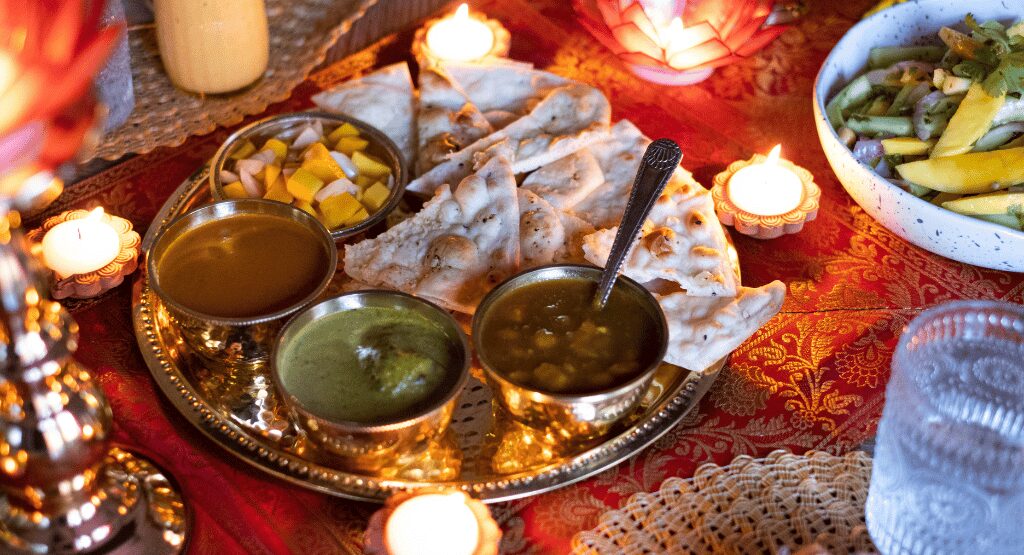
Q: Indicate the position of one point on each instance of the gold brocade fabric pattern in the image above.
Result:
(812, 378)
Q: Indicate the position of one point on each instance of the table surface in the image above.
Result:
(812, 378)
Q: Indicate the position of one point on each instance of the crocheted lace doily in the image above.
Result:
(301, 32)
(782, 503)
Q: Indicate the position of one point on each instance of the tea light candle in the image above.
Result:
(766, 197)
(766, 189)
(438, 523)
(432, 523)
(90, 252)
(80, 246)
(460, 37)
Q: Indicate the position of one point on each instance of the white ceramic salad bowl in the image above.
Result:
(926, 225)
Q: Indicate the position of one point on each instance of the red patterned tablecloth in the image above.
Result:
(813, 378)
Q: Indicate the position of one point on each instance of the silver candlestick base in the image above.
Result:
(63, 488)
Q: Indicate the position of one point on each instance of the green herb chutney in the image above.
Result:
(368, 365)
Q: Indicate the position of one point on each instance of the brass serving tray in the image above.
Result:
(483, 453)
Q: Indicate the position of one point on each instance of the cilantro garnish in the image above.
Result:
(996, 57)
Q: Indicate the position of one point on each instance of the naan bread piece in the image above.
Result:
(567, 120)
(575, 232)
(505, 90)
(384, 99)
(618, 157)
(499, 118)
(566, 181)
(455, 249)
(541, 233)
(547, 236)
(446, 121)
(681, 241)
(702, 330)
(348, 285)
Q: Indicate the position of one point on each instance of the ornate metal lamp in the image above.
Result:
(63, 488)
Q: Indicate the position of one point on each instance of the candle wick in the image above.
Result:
(79, 230)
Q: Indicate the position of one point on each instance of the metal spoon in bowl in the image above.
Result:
(659, 161)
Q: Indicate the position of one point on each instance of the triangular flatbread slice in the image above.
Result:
(566, 181)
(506, 90)
(618, 157)
(384, 99)
(567, 120)
(682, 241)
(547, 236)
(703, 330)
(455, 249)
(575, 231)
(446, 121)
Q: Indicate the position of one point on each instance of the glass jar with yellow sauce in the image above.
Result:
(212, 46)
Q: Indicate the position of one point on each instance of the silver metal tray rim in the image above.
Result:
(292, 468)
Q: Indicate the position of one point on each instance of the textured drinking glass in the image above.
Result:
(114, 82)
(948, 473)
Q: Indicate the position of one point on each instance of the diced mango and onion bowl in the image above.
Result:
(944, 122)
(326, 171)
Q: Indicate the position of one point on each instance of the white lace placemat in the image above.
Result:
(779, 504)
(301, 32)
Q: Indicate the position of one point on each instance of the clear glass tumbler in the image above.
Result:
(948, 473)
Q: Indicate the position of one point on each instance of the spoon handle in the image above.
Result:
(659, 161)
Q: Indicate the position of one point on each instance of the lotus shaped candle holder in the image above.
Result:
(675, 42)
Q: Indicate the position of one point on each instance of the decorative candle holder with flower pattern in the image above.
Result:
(91, 284)
(675, 42)
(432, 520)
(771, 223)
(461, 37)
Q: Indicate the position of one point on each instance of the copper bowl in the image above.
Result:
(370, 447)
(234, 341)
(380, 146)
(572, 417)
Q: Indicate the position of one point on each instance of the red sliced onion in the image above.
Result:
(883, 168)
(895, 72)
(921, 109)
(918, 92)
(868, 150)
(877, 76)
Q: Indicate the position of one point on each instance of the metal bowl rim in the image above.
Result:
(351, 426)
(315, 226)
(378, 136)
(568, 398)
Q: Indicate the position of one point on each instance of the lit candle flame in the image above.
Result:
(460, 37)
(95, 214)
(671, 35)
(766, 188)
(8, 71)
(432, 523)
(676, 38)
(80, 245)
(660, 11)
